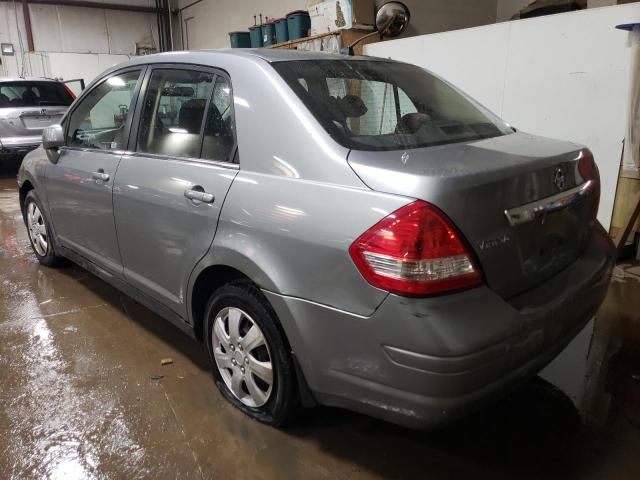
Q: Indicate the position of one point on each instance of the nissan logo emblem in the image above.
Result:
(558, 178)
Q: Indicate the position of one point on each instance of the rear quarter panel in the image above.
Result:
(292, 237)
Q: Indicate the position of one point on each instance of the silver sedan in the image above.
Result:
(344, 231)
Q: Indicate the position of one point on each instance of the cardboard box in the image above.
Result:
(332, 15)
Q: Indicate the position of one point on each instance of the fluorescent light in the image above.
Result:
(116, 82)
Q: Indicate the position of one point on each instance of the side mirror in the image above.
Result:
(52, 139)
(392, 19)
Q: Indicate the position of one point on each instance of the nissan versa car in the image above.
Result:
(343, 231)
(26, 107)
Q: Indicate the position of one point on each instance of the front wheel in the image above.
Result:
(39, 231)
(251, 360)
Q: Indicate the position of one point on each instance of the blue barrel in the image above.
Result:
(282, 30)
(240, 39)
(255, 33)
(268, 34)
(298, 24)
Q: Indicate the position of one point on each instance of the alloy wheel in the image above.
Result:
(37, 229)
(242, 356)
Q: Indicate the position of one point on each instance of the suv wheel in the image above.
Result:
(251, 361)
(39, 231)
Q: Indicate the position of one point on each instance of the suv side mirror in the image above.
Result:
(52, 139)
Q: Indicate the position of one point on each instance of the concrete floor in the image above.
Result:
(80, 397)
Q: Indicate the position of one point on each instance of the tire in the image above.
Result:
(274, 404)
(39, 231)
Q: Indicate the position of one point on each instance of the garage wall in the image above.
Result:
(90, 30)
(508, 8)
(206, 23)
(432, 16)
(72, 42)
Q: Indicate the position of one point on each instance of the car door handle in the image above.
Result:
(199, 196)
(100, 175)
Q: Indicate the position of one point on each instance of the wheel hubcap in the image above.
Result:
(37, 229)
(242, 356)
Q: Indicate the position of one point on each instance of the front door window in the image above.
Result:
(100, 121)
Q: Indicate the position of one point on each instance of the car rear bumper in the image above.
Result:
(423, 362)
(15, 146)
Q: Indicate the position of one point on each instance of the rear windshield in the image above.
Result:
(33, 94)
(373, 105)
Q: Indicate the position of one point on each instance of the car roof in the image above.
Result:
(290, 55)
(27, 79)
(267, 54)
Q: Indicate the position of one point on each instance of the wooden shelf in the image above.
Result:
(345, 37)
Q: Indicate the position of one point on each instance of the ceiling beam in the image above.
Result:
(88, 4)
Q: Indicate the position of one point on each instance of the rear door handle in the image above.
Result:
(100, 175)
(199, 196)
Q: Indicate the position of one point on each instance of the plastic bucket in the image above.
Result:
(240, 39)
(298, 24)
(282, 30)
(268, 34)
(255, 33)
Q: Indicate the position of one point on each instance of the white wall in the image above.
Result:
(90, 30)
(72, 42)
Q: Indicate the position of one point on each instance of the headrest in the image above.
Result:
(190, 115)
(411, 122)
(349, 106)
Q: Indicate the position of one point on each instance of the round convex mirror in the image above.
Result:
(392, 19)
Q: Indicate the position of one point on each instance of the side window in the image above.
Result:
(219, 139)
(100, 119)
(173, 112)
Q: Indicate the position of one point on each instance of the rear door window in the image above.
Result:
(219, 138)
(173, 112)
(34, 94)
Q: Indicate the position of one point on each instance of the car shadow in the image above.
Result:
(148, 320)
(535, 431)
(9, 167)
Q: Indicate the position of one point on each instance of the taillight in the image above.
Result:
(589, 171)
(69, 91)
(415, 251)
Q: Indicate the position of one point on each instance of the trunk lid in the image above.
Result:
(474, 183)
(28, 121)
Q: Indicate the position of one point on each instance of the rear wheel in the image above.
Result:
(39, 231)
(251, 360)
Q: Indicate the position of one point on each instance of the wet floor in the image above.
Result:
(83, 395)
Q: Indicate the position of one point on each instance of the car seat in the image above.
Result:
(29, 97)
